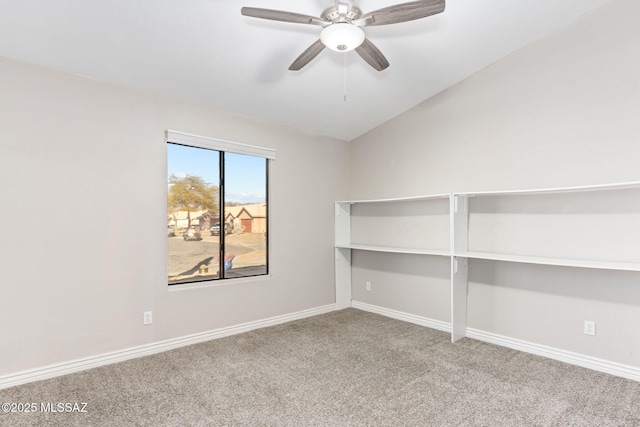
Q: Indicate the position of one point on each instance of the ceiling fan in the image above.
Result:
(342, 27)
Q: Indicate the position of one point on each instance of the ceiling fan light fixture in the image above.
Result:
(342, 24)
(342, 36)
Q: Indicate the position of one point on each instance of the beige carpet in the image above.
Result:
(346, 368)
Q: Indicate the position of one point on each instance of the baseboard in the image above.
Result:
(59, 369)
(577, 359)
(606, 366)
(399, 315)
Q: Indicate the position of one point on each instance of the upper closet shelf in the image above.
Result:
(398, 199)
(601, 187)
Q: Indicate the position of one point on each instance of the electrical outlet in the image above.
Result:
(147, 317)
(367, 286)
(589, 327)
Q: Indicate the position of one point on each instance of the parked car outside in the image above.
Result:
(171, 231)
(215, 229)
(192, 234)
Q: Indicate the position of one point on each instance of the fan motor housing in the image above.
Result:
(332, 14)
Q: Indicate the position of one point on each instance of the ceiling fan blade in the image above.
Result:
(401, 13)
(306, 56)
(372, 55)
(279, 15)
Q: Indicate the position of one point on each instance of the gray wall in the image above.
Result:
(83, 172)
(563, 111)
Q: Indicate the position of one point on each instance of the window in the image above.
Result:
(217, 216)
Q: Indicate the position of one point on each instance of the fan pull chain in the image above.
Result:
(345, 77)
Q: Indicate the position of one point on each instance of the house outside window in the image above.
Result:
(217, 209)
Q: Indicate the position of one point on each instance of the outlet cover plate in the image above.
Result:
(589, 327)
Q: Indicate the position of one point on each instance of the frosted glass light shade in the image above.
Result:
(342, 37)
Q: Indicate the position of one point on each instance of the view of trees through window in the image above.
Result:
(216, 214)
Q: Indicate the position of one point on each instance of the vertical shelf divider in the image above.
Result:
(459, 265)
(343, 255)
(343, 278)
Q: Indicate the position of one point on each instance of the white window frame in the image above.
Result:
(199, 141)
(219, 144)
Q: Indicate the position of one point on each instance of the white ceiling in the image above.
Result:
(205, 51)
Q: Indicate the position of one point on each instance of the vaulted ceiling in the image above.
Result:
(205, 51)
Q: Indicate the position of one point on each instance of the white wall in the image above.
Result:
(563, 111)
(83, 247)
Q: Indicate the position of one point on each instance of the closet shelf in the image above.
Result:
(564, 262)
(397, 199)
(558, 190)
(388, 249)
